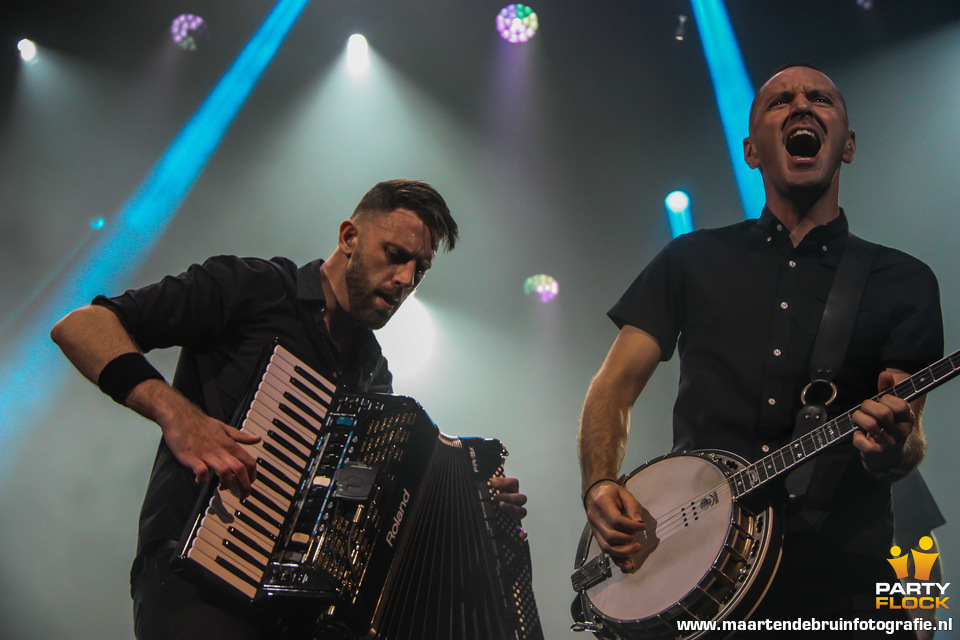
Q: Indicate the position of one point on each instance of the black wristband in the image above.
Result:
(587, 492)
(123, 373)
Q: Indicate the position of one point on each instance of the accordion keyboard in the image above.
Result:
(235, 538)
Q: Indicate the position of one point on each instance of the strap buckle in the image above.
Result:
(821, 392)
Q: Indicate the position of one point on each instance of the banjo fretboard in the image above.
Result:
(838, 429)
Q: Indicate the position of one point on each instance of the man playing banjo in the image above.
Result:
(744, 303)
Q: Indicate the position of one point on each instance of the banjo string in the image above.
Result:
(673, 521)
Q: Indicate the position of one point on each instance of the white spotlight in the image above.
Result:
(677, 201)
(28, 50)
(358, 55)
(408, 339)
(681, 31)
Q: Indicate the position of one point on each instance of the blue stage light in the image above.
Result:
(677, 201)
(678, 212)
(32, 369)
(734, 95)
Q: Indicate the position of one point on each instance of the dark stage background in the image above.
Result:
(555, 157)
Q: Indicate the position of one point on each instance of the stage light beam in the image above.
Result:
(109, 264)
(358, 55)
(408, 339)
(734, 94)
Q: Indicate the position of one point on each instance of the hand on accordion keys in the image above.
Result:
(510, 499)
(199, 442)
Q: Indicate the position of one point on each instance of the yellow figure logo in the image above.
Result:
(922, 562)
(898, 562)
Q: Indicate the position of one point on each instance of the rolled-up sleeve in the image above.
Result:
(204, 302)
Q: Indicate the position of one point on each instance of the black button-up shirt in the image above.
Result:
(743, 305)
(223, 314)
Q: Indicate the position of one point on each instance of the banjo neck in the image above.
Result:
(840, 428)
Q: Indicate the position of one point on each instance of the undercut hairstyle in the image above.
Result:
(784, 67)
(416, 196)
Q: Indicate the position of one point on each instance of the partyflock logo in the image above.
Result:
(918, 593)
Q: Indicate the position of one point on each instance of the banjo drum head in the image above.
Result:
(687, 509)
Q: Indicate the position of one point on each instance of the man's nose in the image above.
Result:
(404, 275)
(801, 104)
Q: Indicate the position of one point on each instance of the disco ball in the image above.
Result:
(517, 23)
(542, 285)
(187, 30)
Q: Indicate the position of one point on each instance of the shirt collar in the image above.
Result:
(827, 235)
(363, 368)
(309, 285)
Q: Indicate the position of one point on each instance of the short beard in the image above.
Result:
(360, 293)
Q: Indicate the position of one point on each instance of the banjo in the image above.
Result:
(710, 549)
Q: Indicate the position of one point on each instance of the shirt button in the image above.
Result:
(784, 305)
(769, 238)
(771, 401)
(765, 448)
(776, 352)
(792, 263)
(779, 227)
(823, 248)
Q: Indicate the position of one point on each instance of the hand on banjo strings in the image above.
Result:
(883, 427)
(617, 520)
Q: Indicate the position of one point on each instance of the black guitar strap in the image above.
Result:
(840, 313)
(811, 483)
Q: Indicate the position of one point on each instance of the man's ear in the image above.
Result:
(750, 154)
(850, 147)
(347, 240)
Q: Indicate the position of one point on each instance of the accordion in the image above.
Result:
(369, 515)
